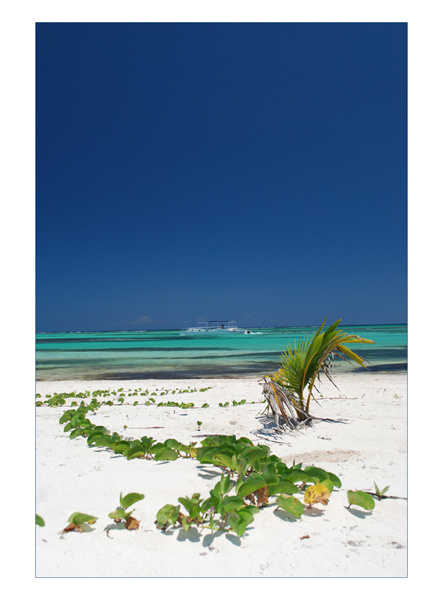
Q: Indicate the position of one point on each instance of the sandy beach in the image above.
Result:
(364, 441)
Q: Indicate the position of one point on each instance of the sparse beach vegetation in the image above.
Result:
(121, 513)
(362, 499)
(79, 521)
(244, 486)
(258, 478)
(380, 493)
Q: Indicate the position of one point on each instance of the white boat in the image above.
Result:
(215, 327)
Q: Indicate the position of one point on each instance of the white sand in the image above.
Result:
(369, 446)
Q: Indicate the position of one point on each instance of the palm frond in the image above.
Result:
(301, 367)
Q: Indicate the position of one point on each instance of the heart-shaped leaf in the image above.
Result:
(77, 518)
(251, 484)
(132, 523)
(167, 515)
(362, 499)
(39, 521)
(130, 499)
(166, 454)
(291, 505)
(317, 493)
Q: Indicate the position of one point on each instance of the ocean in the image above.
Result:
(170, 354)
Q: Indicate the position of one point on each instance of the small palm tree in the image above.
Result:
(300, 369)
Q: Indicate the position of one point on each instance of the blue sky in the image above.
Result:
(247, 171)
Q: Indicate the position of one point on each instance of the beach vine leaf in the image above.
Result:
(121, 514)
(380, 494)
(255, 473)
(39, 521)
(130, 499)
(317, 493)
(291, 504)
(362, 499)
(167, 515)
(77, 522)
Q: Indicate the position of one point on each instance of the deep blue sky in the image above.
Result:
(247, 171)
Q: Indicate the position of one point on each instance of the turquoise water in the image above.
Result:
(169, 354)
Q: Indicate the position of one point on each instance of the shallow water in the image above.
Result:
(170, 354)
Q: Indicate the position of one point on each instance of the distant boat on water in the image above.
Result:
(215, 327)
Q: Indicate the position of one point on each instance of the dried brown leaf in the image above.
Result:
(73, 527)
(132, 523)
(262, 495)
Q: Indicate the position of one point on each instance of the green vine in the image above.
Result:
(251, 478)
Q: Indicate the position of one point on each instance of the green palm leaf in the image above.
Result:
(301, 367)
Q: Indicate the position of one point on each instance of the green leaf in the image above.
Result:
(215, 440)
(251, 484)
(186, 523)
(351, 354)
(192, 505)
(135, 454)
(76, 433)
(295, 475)
(243, 440)
(225, 460)
(130, 499)
(172, 443)
(270, 475)
(120, 447)
(211, 502)
(322, 475)
(97, 433)
(66, 416)
(215, 493)
(282, 487)
(103, 441)
(362, 499)
(316, 473)
(117, 515)
(166, 454)
(168, 515)
(379, 493)
(336, 482)
(39, 521)
(232, 503)
(147, 443)
(187, 503)
(241, 467)
(134, 451)
(77, 518)
(255, 453)
(205, 454)
(225, 484)
(81, 421)
(328, 483)
(237, 524)
(240, 521)
(291, 505)
(180, 447)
